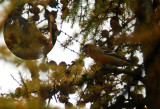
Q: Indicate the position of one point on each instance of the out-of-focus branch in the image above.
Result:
(7, 6)
(5, 9)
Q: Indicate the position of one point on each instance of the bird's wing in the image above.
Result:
(112, 53)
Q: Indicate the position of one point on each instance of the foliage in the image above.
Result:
(124, 26)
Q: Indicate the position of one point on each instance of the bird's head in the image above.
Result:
(87, 47)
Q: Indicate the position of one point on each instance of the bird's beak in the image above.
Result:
(83, 49)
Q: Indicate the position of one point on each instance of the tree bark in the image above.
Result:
(148, 30)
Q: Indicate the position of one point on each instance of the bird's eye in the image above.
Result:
(86, 46)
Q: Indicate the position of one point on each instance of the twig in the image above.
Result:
(67, 47)
(16, 80)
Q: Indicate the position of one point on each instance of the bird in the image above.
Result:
(98, 55)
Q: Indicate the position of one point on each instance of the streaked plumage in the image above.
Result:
(98, 55)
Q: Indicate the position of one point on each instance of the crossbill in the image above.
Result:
(98, 55)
